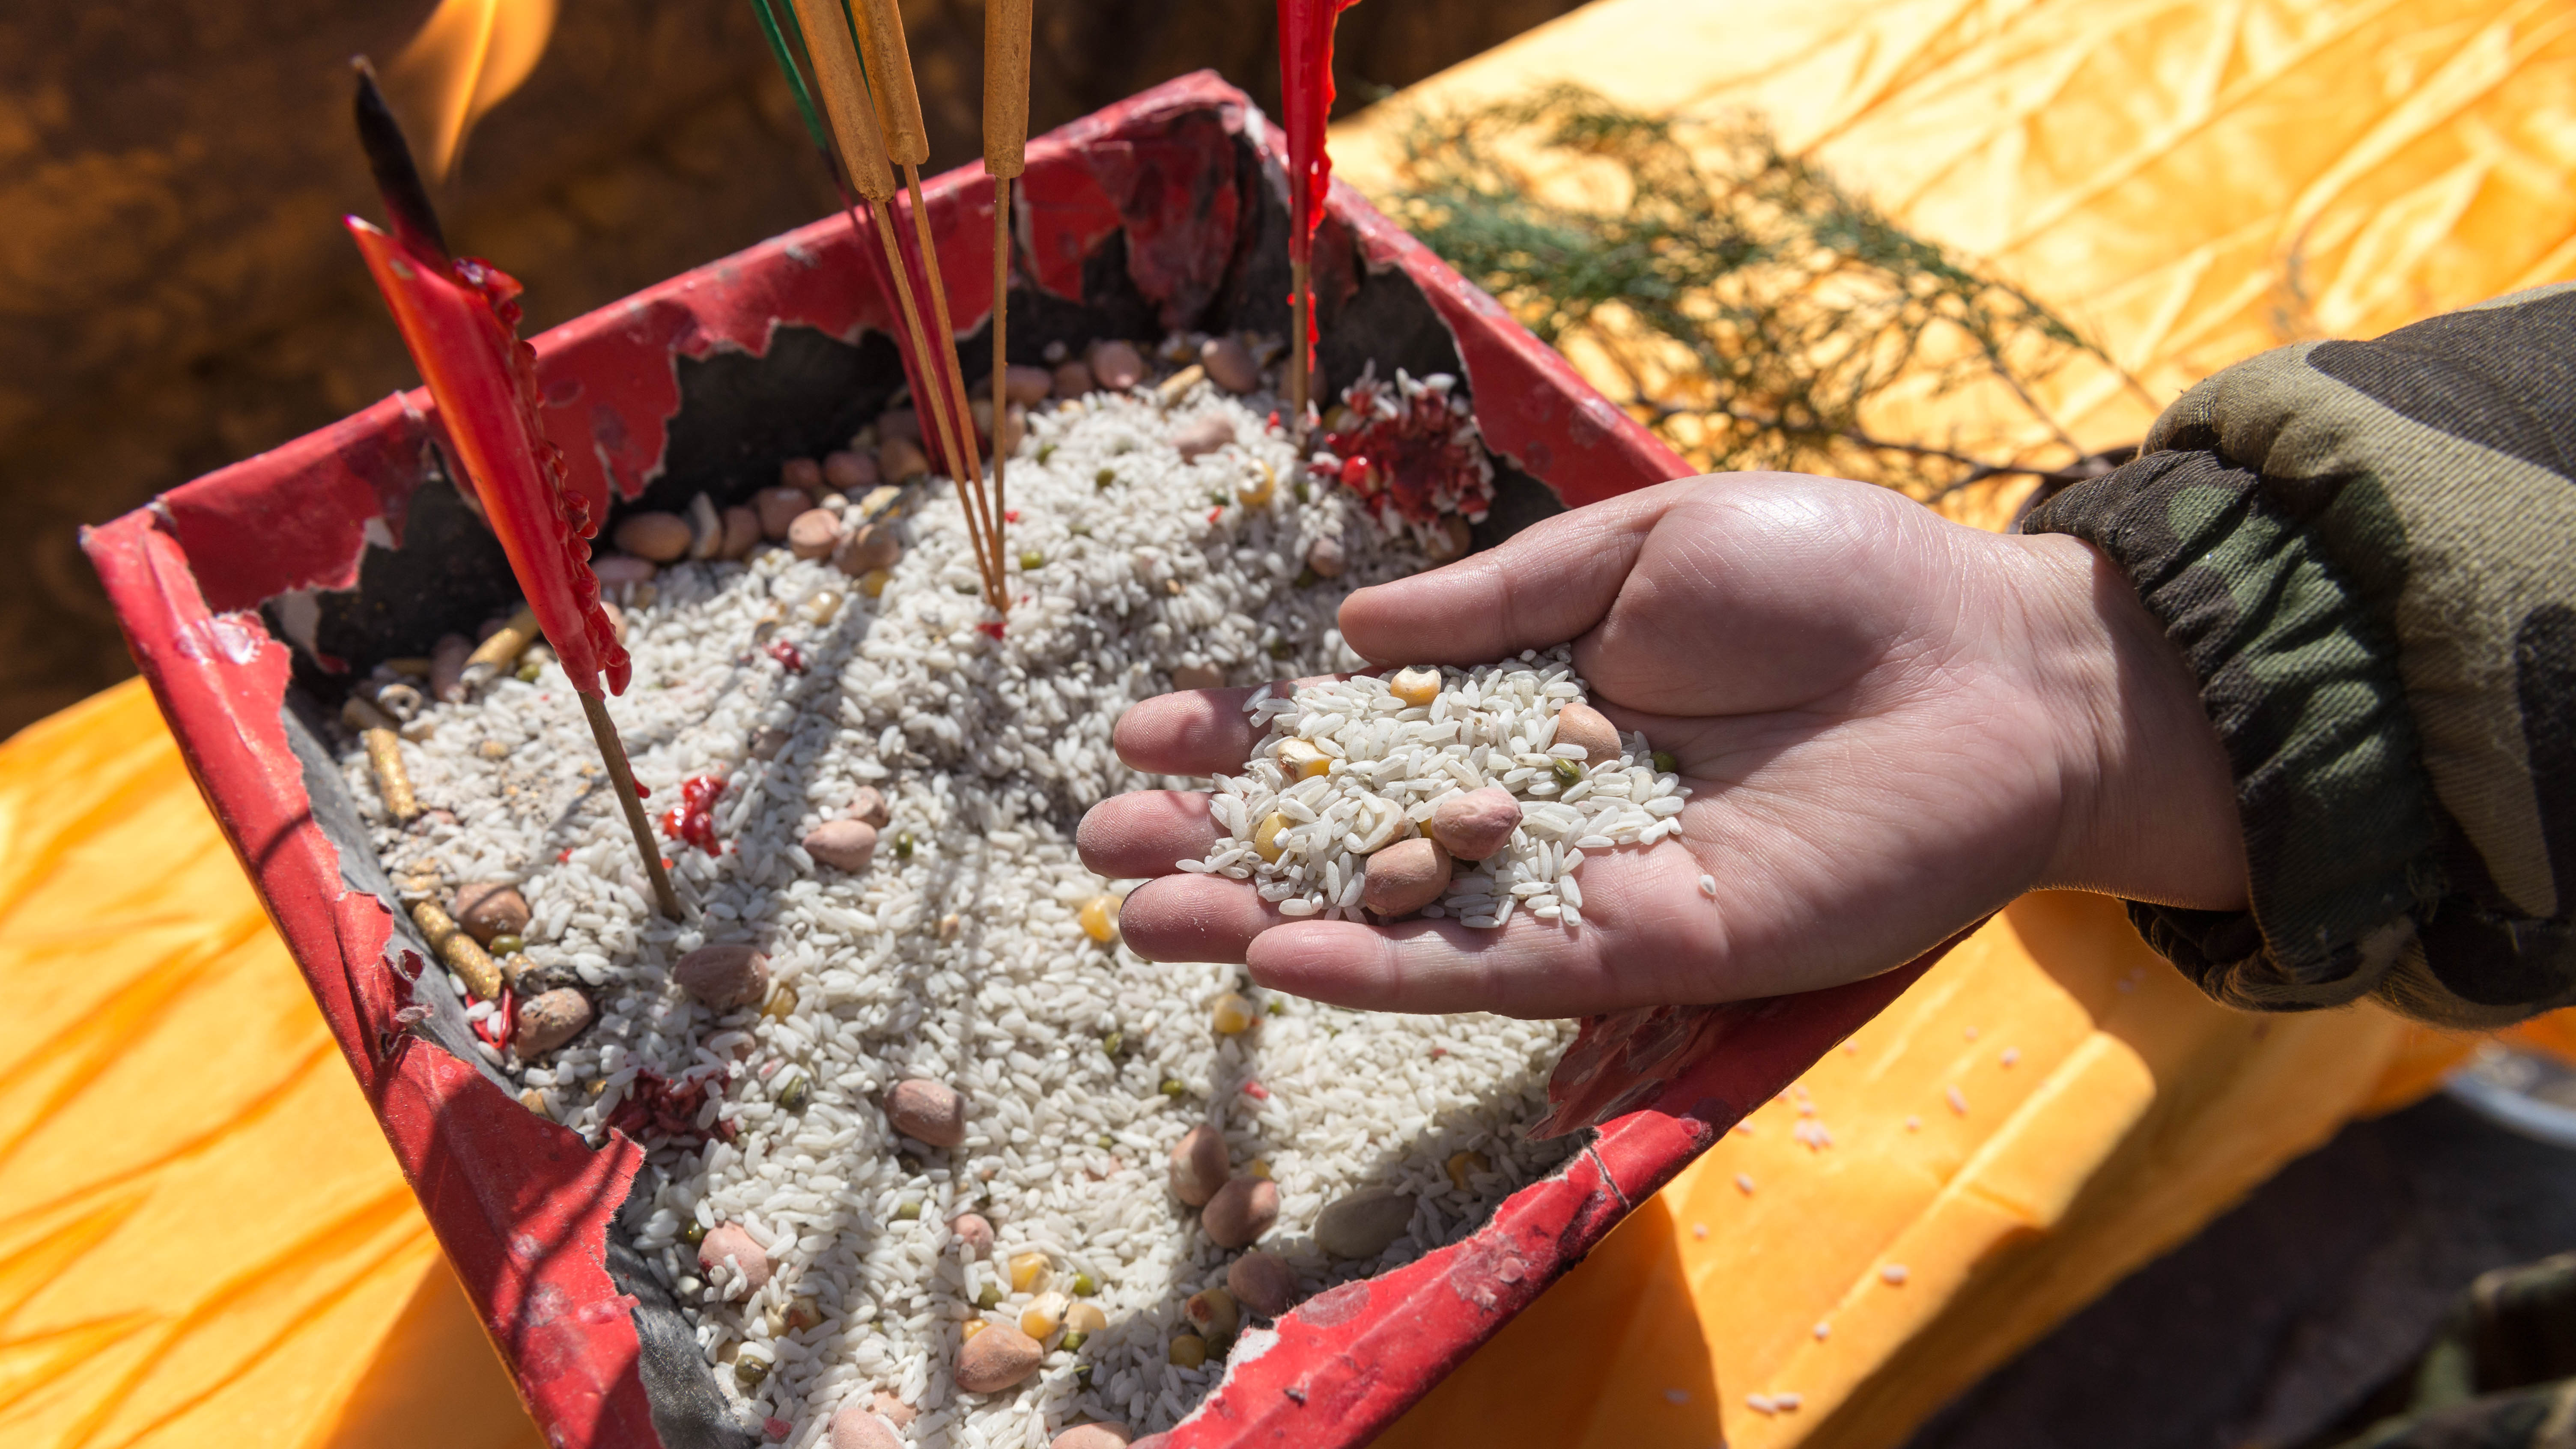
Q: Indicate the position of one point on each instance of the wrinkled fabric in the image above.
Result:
(2367, 553)
(2192, 184)
(204, 1240)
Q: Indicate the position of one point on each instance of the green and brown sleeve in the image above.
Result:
(2367, 551)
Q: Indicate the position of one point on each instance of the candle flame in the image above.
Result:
(469, 58)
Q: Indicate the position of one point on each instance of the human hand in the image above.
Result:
(1891, 724)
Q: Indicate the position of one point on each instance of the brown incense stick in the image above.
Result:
(858, 122)
(622, 780)
(1300, 298)
(1001, 344)
(1006, 142)
(889, 62)
(970, 493)
(956, 374)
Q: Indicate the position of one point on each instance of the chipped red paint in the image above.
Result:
(521, 1204)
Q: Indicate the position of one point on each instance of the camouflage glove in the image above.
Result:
(2367, 551)
(2496, 1375)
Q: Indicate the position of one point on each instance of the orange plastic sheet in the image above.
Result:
(203, 1239)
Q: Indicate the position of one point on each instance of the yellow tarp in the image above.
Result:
(203, 1240)
(2190, 183)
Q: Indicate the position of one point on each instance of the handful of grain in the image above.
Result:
(1463, 793)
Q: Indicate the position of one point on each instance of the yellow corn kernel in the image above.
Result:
(1232, 1015)
(1415, 686)
(823, 605)
(1026, 1270)
(1464, 1165)
(1086, 1318)
(873, 582)
(1212, 1312)
(1044, 1316)
(782, 1004)
(1258, 494)
(975, 1326)
(1258, 1167)
(1265, 836)
(1100, 918)
(1188, 1350)
(1302, 760)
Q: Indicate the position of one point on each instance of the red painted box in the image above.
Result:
(250, 595)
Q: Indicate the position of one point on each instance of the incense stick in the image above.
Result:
(622, 779)
(970, 492)
(389, 161)
(859, 125)
(955, 376)
(889, 62)
(1006, 137)
(1001, 341)
(777, 38)
(449, 323)
(1300, 298)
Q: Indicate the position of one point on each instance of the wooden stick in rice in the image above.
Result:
(1006, 143)
(889, 63)
(859, 128)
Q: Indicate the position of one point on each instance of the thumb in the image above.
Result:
(1549, 583)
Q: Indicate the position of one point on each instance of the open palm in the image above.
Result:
(1890, 724)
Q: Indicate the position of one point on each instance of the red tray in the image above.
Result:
(249, 594)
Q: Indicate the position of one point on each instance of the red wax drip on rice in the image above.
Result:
(693, 820)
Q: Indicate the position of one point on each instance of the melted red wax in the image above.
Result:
(1256, 1091)
(789, 657)
(655, 1112)
(1010, 515)
(1306, 104)
(1415, 456)
(991, 627)
(693, 820)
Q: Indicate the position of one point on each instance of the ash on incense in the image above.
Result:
(926, 1142)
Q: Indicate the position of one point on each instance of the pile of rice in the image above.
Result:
(1391, 763)
(958, 955)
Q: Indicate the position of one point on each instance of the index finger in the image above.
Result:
(1194, 731)
(1549, 583)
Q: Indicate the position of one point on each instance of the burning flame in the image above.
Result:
(465, 61)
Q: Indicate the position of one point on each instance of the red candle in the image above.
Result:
(1306, 105)
(460, 321)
